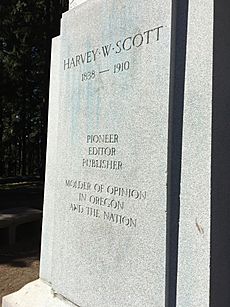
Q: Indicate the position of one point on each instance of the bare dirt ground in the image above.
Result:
(19, 264)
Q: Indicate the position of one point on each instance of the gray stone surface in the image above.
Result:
(110, 249)
(35, 294)
(74, 3)
(50, 177)
(104, 231)
(195, 213)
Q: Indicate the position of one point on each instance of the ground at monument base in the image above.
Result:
(13, 277)
(19, 264)
(36, 294)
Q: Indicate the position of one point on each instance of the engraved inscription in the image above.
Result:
(101, 151)
(123, 45)
(110, 207)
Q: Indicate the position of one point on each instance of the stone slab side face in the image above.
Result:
(109, 244)
(194, 231)
(50, 177)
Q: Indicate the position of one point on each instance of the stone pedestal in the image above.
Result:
(119, 98)
(105, 205)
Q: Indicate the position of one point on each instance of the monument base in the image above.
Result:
(36, 294)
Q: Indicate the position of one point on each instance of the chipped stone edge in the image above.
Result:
(75, 3)
(37, 294)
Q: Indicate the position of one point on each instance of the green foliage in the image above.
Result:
(27, 27)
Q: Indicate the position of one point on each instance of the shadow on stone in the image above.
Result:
(220, 231)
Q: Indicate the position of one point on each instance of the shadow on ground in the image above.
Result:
(22, 253)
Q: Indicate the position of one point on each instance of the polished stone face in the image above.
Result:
(109, 244)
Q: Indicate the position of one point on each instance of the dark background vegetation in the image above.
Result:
(26, 30)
